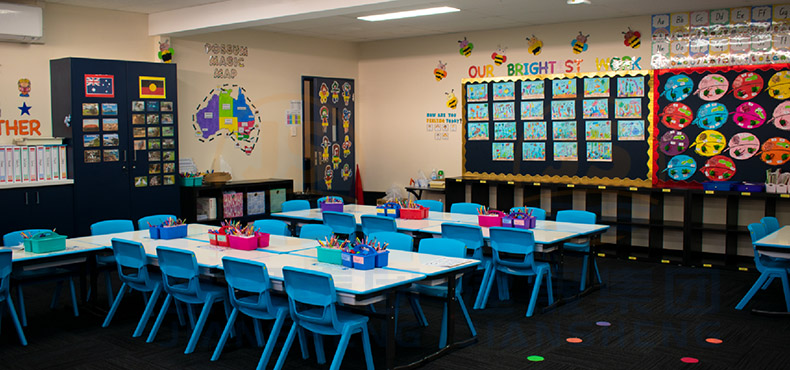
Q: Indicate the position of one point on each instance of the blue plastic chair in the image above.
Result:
(105, 263)
(769, 269)
(374, 223)
(432, 205)
(771, 224)
(395, 240)
(517, 242)
(539, 213)
(181, 279)
(143, 223)
(315, 231)
(23, 277)
(472, 237)
(341, 223)
(249, 293)
(5, 293)
(273, 227)
(580, 217)
(313, 305)
(131, 255)
(295, 205)
(465, 208)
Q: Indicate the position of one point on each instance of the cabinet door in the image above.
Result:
(15, 210)
(52, 207)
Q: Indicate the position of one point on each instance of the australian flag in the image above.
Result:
(99, 86)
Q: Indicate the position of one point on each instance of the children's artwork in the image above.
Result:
(477, 112)
(597, 87)
(90, 125)
(504, 90)
(563, 89)
(628, 108)
(166, 106)
(535, 130)
(477, 131)
(533, 151)
(599, 151)
(110, 155)
(478, 92)
(564, 130)
(532, 90)
(167, 118)
(631, 130)
(465, 47)
(140, 181)
(502, 151)
(595, 108)
(628, 87)
(110, 140)
(109, 124)
(504, 111)
(138, 119)
(152, 106)
(598, 130)
(90, 109)
(92, 156)
(109, 109)
(138, 106)
(439, 72)
(504, 131)
(532, 110)
(90, 141)
(566, 151)
(563, 109)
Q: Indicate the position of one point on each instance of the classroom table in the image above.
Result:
(775, 244)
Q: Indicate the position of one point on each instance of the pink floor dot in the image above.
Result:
(714, 341)
(689, 360)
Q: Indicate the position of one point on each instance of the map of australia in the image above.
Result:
(220, 114)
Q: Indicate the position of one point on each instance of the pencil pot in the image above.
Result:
(153, 232)
(346, 259)
(243, 242)
(364, 261)
(263, 239)
(335, 206)
(389, 209)
(330, 255)
(418, 213)
(218, 237)
(173, 232)
(45, 242)
(490, 220)
(382, 258)
(524, 223)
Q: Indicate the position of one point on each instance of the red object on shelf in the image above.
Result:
(414, 213)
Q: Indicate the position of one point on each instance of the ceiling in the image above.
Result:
(336, 19)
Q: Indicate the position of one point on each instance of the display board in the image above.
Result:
(721, 124)
(586, 128)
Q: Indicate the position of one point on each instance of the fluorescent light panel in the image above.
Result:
(409, 14)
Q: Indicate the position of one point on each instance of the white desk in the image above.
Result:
(193, 231)
(420, 263)
(277, 243)
(775, 244)
(541, 236)
(72, 247)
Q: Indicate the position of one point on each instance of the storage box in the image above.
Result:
(382, 258)
(388, 210)
(153, 232)
(521, 223)
(172, 232)
(346, 260)
(770, 188)
(245, 243)
(45, 242)
(364, 261)
(332, 207)
(718, 185)
(218, 238)
(781, 188)
(750, 187)
(263, 239)
(414, 213)
(490, 220)
(191, 181)
(330, 255)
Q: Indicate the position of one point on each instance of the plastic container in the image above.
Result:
(490, 220)
(263, 239)
(389, 210)
(364, 261)
(750, 187)
(770, 188)
(346, 259)
(382, 258)
(330, 255)
(218, 237)
(332, 207)
(172, 232)
(414, 213)
(191, 181)
(153, 232)
(45, 242)
(718, 185)
(245, 243)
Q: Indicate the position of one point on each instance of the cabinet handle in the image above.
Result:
(26, 199)
(124, 155)
(37, 199)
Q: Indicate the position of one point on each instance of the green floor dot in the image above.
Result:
(535, 358)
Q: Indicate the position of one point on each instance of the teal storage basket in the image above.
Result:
(45, 242)
(330, 255)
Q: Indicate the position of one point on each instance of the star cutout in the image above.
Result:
(25, 109)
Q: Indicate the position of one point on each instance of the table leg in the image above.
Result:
(390, 341)
(94, 275)
(451, 302)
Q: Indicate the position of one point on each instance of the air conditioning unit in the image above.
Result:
(21, 23)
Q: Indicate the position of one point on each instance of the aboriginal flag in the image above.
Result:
(152, 87)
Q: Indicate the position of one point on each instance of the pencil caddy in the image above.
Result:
(263, 239)
(389, 209)
(218, 237)
(332, 207)
(191, 181)
(330, 255)
(418, 213)
(527, 222)
(492, 219)
(243, 242)
(168, 232)
(45, 242)
(364, 258)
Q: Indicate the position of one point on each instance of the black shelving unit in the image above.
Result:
(189, 196)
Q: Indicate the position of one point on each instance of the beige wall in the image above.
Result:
(68, 32)
(272, 78)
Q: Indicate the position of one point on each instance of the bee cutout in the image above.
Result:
(499, 55)
(335, 156)
(534, 45)
(323, 93)
(632, 39)
(346, 172)
(324, 112)
(465, 47)
(326, 144)
(440, 72)
(452, 101)
(335, 92)
(346, 147)
(328, 175)
(346, 119)
(579, 44)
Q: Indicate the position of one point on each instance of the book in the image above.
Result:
(62, 165)
(2, 165)
(9, 164)
(25, 163)
(52, 153)
(206, 208)
(40, 167)
(17, 157)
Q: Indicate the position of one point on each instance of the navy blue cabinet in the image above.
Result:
(39, 207)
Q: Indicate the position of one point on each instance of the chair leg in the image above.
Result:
(768, 283)
(303, 343)
(443, 332)
(597, 272)
(487, 290)
(549, 287)
(21, 298)
(159, 318)
(397, 309)
(414, 301)
(366, 347)
(193, 340)
(286, 347)
(108, 287)
(145, 298)
(341, 349)
(180, 314)
(318, 341)
(15, 319)
(534, 298)
(74, 298)
(225, 333)
(149, 308)
(486, 273)
(466, 314)
(584, 274)
(114, 306)
(191, 314)
(56, 295)
(786, 288)
(256, 325)
(759, 283)
(267, 351)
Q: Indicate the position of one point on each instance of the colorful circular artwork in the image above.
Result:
(678, 87)
(676, 116)
(712, 87)
(779, 85)
(744, 145)
(681, 167)
(673, 142)
(776, 151)
(781, 118)
(749, 115)
(711, 116)
(719, 168)
(709, 143)
(747, 85)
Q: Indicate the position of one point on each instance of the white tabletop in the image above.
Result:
(193, 231)
(421, 263)
(541, 236)
(777, 239)
(72, 247)
(277, 243)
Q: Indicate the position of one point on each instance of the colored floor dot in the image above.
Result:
(535, 358)
(689, 360)
(573, 340)
(603, 323)
(714, 341)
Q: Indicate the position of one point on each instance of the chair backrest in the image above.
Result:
(539, 213)
(178, 265)
(295, 205)
(465, 208)
(340, 222)
(433, 205)
(146, 222)
(512, 241)
(576, 216)
(5, 272)
(442, 247)
(312, 288)
(274, 227)
(315, 231)
(250, 277)
(15, 237)
(395, 240)
(771, 224)
(470, 235)
(131, 255)
(375, 223)
(111, 226)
